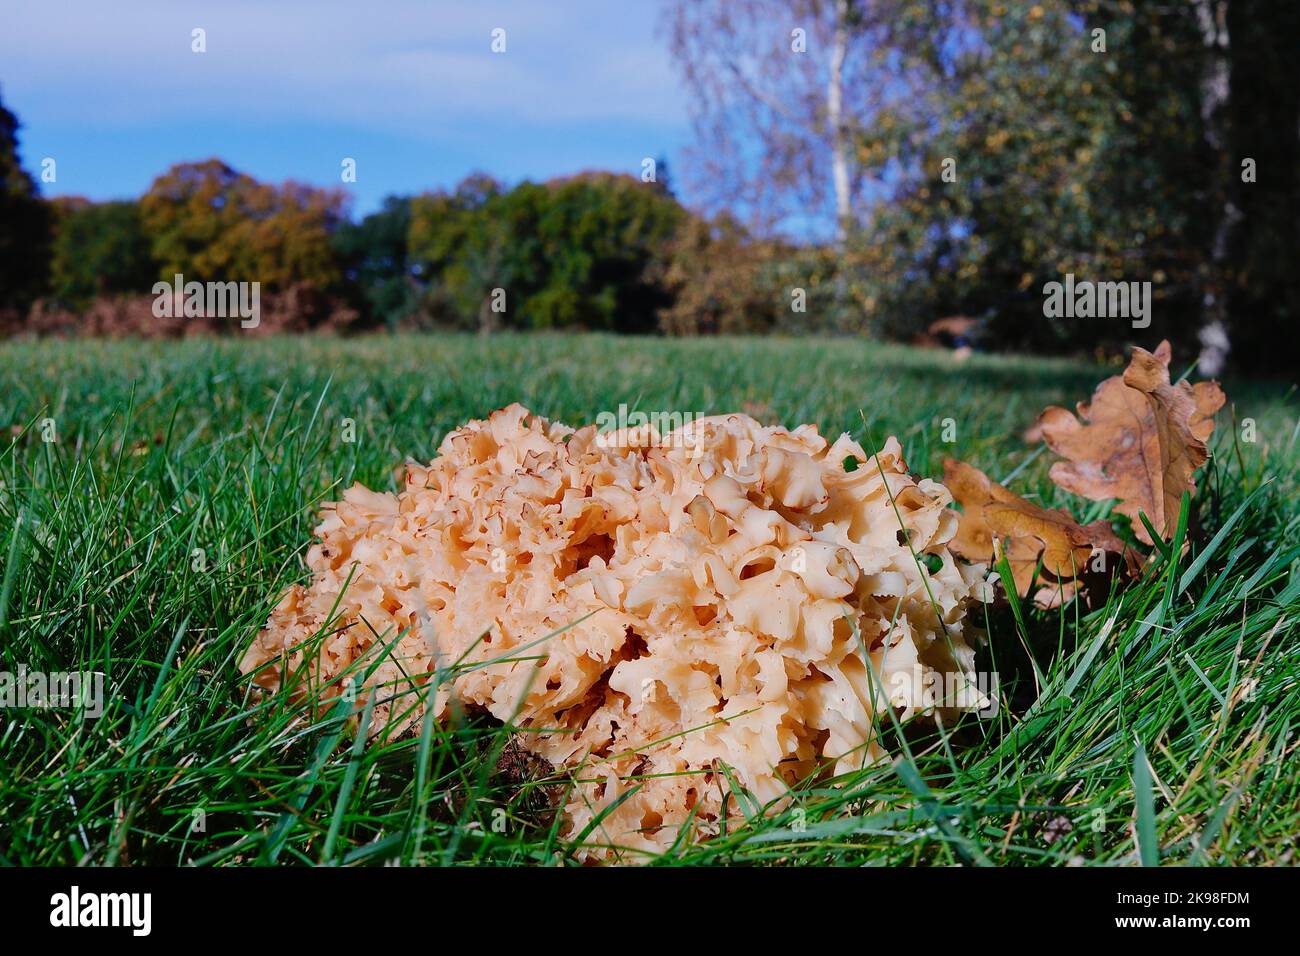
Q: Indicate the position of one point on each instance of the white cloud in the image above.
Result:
(418, 69)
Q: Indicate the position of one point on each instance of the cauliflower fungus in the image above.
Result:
(648, 610)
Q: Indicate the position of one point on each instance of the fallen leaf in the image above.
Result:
(1139, 441)
(1040, 544)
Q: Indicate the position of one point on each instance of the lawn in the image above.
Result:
(150, 537)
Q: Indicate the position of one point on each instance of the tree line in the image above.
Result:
(597, 251)
(862, 167)
(960, 155)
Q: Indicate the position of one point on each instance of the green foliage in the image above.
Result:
(24, 225)
(1059, 160)
(375, 263)
(1000, 146)
(995, 147)
(99, 249)
(582, 252)
(460, 252)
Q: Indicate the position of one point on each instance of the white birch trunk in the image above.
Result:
(838, 128)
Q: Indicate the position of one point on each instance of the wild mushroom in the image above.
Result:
(652, 610)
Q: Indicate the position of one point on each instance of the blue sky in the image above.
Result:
(287, 89)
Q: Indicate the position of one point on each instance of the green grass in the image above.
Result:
(150, 539)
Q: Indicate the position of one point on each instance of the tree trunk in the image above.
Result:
(1215, 93)
(840, 159)
(838, 128)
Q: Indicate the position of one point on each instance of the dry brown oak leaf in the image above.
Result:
(995, 521)
(1140, 441)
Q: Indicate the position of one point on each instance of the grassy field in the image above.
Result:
(150, 537)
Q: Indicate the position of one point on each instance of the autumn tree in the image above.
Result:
(210, 222)
(720, 278)
(993, 147)
(784, 95)
(781, 92)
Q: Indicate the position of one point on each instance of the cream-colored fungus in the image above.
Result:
(653, 607)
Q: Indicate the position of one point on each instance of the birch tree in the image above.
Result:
(780, 93)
